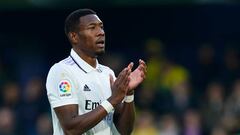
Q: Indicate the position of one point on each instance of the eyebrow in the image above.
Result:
(95, 23)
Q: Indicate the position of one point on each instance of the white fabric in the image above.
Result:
(129, 99)
(67, 83)
(107, 106)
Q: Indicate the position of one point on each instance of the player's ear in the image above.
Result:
(73, 37)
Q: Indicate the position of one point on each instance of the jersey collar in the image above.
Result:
(83, 64)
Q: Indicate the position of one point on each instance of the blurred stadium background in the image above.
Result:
(191, 48)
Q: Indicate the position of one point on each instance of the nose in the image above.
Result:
(101, 32)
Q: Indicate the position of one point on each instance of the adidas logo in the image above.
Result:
(86, 88)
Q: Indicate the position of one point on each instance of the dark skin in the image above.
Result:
(88, 42)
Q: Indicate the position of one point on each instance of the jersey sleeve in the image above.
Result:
(112, 73)
(61, 88)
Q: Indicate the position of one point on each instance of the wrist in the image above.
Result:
(129, 98)
(130, 92)
(107, 106)
(115, 101)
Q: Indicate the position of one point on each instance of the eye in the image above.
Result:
(91, 27)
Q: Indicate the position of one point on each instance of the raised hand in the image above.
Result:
(138, 75)
(127, 81)
(120, 86)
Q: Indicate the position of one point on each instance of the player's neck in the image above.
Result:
(89, 59)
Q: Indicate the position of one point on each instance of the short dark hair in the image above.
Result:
(73, 19)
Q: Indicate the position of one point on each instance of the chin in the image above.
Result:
(99, 53)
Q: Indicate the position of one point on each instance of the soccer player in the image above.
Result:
(85, 96)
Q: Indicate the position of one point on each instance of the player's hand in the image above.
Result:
(120, 86)
(137, 76)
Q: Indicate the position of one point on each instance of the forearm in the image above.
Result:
(74, 124)
(83, 123)
(126, 118)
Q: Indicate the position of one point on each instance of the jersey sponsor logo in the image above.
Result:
(90, 105)
(86, 88)
(65, 88)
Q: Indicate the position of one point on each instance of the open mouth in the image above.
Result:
(100, 43)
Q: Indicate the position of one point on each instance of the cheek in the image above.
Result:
(88, 39)
(91, 41)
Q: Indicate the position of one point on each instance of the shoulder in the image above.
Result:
(67, 62)
(105, 68)
(62, 66)
(60, 71)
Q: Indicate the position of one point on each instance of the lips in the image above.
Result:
(100, 43)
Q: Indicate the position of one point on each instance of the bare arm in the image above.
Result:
(74, 124)
(124, 116)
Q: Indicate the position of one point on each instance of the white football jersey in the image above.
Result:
(73, 81)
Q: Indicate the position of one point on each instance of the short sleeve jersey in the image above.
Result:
(73, 81)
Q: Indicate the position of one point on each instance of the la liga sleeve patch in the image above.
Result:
(65, 89)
